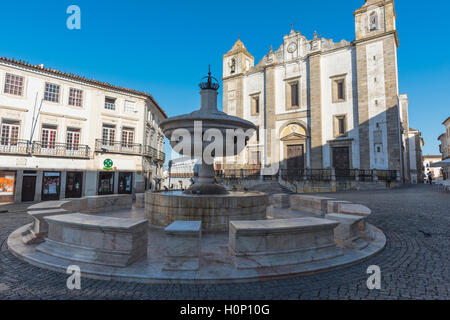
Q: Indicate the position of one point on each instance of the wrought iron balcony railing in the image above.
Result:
(111, 146)
(150, 151)
(52, 149)
(14, 146)
(153, 153)
(161, 156)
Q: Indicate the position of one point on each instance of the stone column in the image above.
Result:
(62, 193)
(116, 182)
(39, 178)
(18, 186)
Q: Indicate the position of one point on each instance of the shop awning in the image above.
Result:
(441, 164)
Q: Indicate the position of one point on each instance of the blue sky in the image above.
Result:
(165, 47)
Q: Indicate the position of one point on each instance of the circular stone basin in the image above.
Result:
(214, 211)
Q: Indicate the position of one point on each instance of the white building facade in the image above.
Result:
(65, 136)
(321, 104)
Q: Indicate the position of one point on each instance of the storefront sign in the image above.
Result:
(108, 164)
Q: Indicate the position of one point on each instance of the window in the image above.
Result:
(255, 105)
(10, 133)
(340, 126)
(13, 84)
(75, 97)
(48, 137)
(339, 89)
(127, 137)
(110, 103)
(373, 21)
(108, 134)
(294, 94)
(257, 134)
(130, 107)
(73, 138)
(51, 92)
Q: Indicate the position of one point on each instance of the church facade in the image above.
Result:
(320, 104)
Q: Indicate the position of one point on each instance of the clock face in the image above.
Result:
(292, 47)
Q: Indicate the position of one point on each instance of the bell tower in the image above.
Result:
(375, 17)
(236, 63)
(376, 42)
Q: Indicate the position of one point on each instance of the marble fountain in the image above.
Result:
(206, 234)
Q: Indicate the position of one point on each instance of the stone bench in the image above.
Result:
(183, 246)
(332, 205)
(39, 228)
(280, 200)
(348, 234)
(140, 200)
(314, 204)
(353, 209)
(110, 202)
(108, 241)
(281, 242)
(48, 205)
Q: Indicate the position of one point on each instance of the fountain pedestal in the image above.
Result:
(214, 211)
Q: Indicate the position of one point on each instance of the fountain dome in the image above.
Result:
(204, 119)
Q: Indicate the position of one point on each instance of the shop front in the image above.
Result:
(125, 183)
(105, 183)
(74, 182)
(7, 186)
(51, 185)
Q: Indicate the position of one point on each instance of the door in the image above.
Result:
(74, 183)
(125, 182)
(295, 157)
(341, 161)
(105, 183)
(28, 188)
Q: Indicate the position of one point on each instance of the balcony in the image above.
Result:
(14, 146)
(153, 153)
(161, 156)
(63, 150)
(109, 146)
(150, 152)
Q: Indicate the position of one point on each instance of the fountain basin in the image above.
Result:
(214, 211)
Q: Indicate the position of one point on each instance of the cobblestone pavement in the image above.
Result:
(414, 265)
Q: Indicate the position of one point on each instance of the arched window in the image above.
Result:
(373, 21)
(232, 65)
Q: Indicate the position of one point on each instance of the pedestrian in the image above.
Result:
(430, 177)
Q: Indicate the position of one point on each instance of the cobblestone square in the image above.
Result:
(414, 264)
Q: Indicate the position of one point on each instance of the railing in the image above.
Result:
(161, 156)
(365, 175)
(150, 151)
(53, 149)
(14, 146)
(318, 174)
(249, 174)
(117, 146)
(292, 174)
(182, 175)
(345, 174)
(386, 175)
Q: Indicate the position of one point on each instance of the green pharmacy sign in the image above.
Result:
(107, 164)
